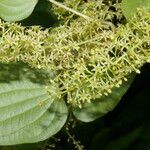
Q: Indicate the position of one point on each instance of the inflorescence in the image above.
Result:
(90, 56)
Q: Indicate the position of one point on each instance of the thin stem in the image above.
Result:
(69, 9)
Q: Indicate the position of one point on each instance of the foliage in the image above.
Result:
(28, 112)
(17, 9)
(88, 55)
(129, 7)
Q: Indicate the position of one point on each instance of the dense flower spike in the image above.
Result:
(90, 57)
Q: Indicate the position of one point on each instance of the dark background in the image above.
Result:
(127, 127)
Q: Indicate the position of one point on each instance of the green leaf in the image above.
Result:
(28, 113)
(129, 7)
(16, 10)
(99, 107)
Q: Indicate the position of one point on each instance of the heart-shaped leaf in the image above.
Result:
(16, 10)
(98, 108)
(28, 113)
(129, 7)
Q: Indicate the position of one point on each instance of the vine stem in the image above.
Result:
(70, 9)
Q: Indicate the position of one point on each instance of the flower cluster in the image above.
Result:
(90, 56)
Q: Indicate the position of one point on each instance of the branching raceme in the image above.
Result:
(90, 56)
